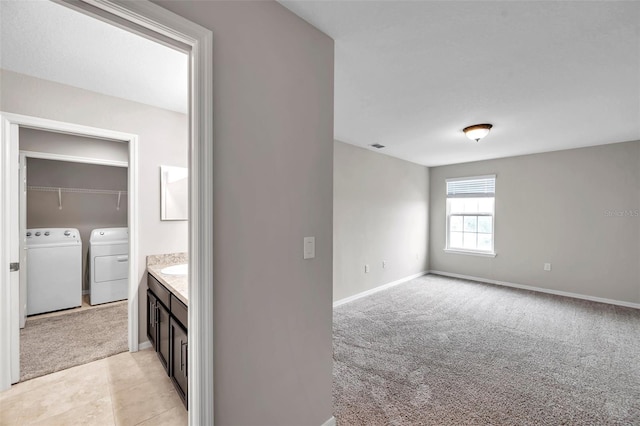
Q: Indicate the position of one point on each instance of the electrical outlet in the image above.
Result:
(384, 264)
(366, 269)
(547, 266)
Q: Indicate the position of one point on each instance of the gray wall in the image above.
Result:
(380, 213)
(163, 139)
(273, 154)
(79, 210)
(555, 207)
(76, 146)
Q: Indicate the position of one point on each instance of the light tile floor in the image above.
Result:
(124, 390)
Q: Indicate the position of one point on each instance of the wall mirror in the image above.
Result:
(174, 193)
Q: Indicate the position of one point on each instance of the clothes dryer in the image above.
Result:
(108, 265)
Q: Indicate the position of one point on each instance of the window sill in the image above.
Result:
(471, 253)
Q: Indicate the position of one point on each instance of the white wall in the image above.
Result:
(72, 145)
(380, 213)
(163, 139)
(273, 153)
(555, 207)
(82, 211)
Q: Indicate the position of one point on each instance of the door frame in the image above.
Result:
(11, 123)
(150, 20)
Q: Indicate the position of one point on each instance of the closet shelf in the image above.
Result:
(60, 190)
(77, 190)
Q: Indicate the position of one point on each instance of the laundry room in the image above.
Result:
(75, 200)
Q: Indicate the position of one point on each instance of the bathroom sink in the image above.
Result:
(182, 269)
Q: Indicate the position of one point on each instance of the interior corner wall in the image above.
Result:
(162, 140)
(577, 209)
(273, 154)
(380, 214)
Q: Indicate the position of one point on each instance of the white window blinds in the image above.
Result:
(480, 186)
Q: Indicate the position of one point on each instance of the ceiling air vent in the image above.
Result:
(376, 146)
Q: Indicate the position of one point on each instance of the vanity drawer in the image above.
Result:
(179, 310)
(159, 290)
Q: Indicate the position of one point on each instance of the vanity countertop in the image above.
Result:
(176, 284)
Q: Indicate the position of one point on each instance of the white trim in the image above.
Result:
(148, 16)
(133, 196)
(377, 289)
(7, 315)
(144, 345)
(64, 127)
(74, 159)
(330, 422)
(471, 253)
(132, 15)
(201, 323)
(22, 246)
(539, 289)
(9, 121)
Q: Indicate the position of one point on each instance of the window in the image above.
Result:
(470, 214)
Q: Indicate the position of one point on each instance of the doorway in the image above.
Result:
(148, 19)
(17, 221)
(74, 213)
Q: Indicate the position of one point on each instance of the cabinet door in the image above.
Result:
(179, 362)
(163, 335)
(152, 319)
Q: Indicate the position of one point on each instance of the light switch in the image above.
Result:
(309, 247)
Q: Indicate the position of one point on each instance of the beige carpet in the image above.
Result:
(440, 351)
(56, 343)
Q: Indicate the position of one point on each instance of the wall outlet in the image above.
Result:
(366, 269)
(384, 264)
(547, 266)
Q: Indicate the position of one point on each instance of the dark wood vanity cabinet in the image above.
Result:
(158, 328)
(164, 344)
(152, 330)
(179, 356)
(167, 332)
(158, 302)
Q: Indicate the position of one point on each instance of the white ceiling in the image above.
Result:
(409, 75)
(53, 42)
(547, 75)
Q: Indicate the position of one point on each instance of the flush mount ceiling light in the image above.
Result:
(477, 131)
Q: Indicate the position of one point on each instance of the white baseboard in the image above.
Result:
(330, 422)
(377, 289)
(144, 345)
(539, 289)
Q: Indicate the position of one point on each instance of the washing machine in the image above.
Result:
(54, 269)
(108, 265)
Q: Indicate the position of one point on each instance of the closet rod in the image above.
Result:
(76, 190)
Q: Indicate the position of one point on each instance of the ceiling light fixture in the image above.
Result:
(477, 131)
